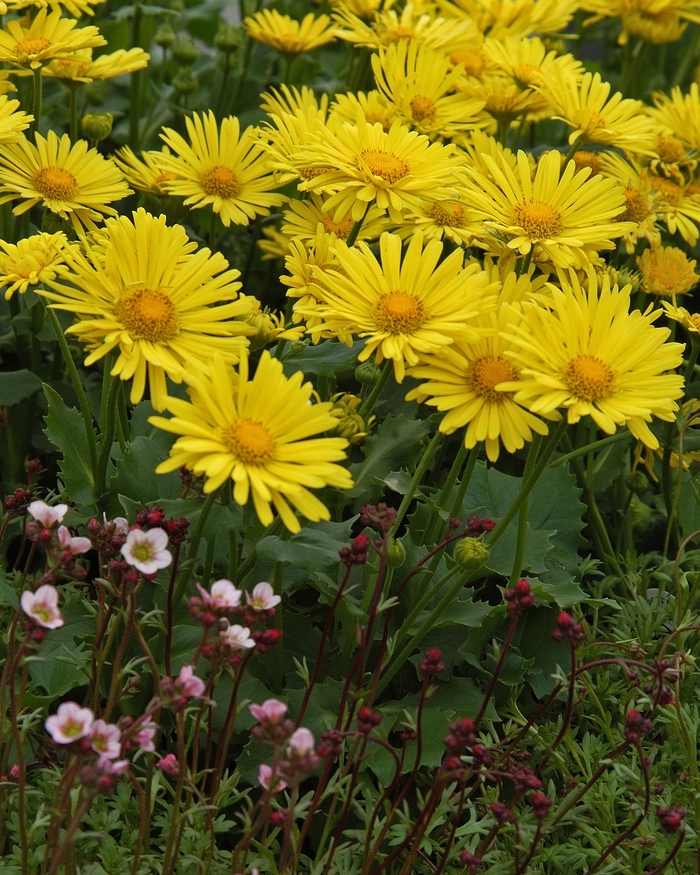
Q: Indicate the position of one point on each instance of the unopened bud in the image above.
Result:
(637, 482)
(395, 554)
(228, 39)
(185, 82)
(165, 36)
(471, 553)
(367, 373)
(185, 52)
(97, 126)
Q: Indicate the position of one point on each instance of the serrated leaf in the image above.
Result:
(66, 431)
(314, 548)
(323, 360)
(396, 442)
(136, 476)
(17, 385)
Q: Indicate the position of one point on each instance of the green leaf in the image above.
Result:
(66, 431)
(17, 385)
(314, 548)
(8, 596)
(324, 360)
(136, 476)
(396, 442)
(397, 481)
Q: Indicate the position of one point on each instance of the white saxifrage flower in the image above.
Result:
(46, 515)
(147, 550)
(69, 723)
(223, 595)
(105, 739)
(74, 546)
(188, 684)
(301, 743)
(262, 598)
(42, 606)
(268, 780)
(270, 713)
(237, 637)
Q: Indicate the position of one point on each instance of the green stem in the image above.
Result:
(368, 403)
(78, 387)
(575, 146)
(212, 231)
(466, 478)
(523, 515)
(688, 57)
(194, 545)
(244, 74)
(523, 264)
(224, 82)
(36, 101)
(108, 432)
(425, 461)
(73, 110)
(357, 227)
(433, 524)
(596, 445)
(529, 483)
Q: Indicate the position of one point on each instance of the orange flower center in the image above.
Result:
(148, 314)
(589, 378)
(386, 165)
(341, 229)
(220, 182)
(31, 46)
(422, 108)
(538, 219)
(398, 33)
(487, 372)
(313, 172)
(636, 208)
(164, 177)
(250, 442)
(588, 159)
(452, 215)
(672, 193)
(670, 150)
(55, 183)
(399, 313)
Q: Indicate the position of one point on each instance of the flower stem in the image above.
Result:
(357, 227)
(425, 461)
(575, 146)
(371, 399)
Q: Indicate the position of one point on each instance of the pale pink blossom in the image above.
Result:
(188, 684)
(237, 637)
(112, 767)
(144, 737)
(42, 606)
(147, 550)
(262, 598)
(69, 723)
(270, 713)
(268, 780)
(46, 515)
(301, 743)
(121, 525)
(223, 595)
(168, 764)
(105, 739)
(75, 546)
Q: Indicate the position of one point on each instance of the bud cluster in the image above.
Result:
(519, 598)
(356, 553)
(568, 630)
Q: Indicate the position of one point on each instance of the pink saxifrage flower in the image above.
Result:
(70, 723)
(301, 743)
(42, 606)
(46, 515)
(74, 546)
(144, 737)
(268, 780)
(270, 713)
(237, 637)
(188, 684)
(105, 739)
(147, 550)
(262, 598)
(168, 764)
(223, 595)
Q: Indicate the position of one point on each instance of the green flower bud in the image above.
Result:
(471, 553)
(367, 373)
(637, 482)
(97, 125)
(165, 36)
(185, 52)
(185, 82)
(395, 554)
(297, 346)
(228, 39)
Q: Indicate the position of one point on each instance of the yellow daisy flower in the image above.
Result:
(516, 18)
(33, 260)
(49, 36)
(73, 181)
(641, 199)
(678, 207)
(406, 307)
(666, 27)
(563, 218)
(463, 382)
(302, 220)
(672, 158)
(449, 219)
(678, 114)
(667, 271)
(12, 121)
(587, 353)
(689, 321)
(80, 66)
(143, 290)
(273, 244)
(146, 174)
(296, 116)
(228, 170)
(585, 105)
(373, 105)
(503, 98)
(259, 433)
(288, 36)
(420, 83)
(395, 169)
(269, 327)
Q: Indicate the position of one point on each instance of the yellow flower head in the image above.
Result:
(689, 321)
(667, 271)
(146, 174)
(80, 66)
(641, 200)
(33, 260)
(678, 207)
(403, 308)
(363, 163)
(269, 327)
(449, 218)
(678, 115)
(273, 244)
(12, 121)
(143, 290)
(564, 218)
(73, 181)
(463, 381)
(373, 105)
(227, 170)
(583, 104)
(665, 27)
(420, 83)
(260, 433)
(302, 220)
(288, 36)
(350, 424)
(516, 18)
(583, 351)
(48, 37)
